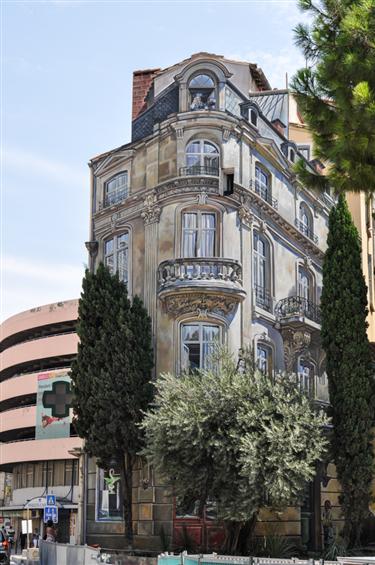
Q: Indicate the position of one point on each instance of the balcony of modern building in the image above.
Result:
(59, 317)
(39, 354)
(298, 312)
(29, 449)
(16, 419)
(209, 275)
(18, 391)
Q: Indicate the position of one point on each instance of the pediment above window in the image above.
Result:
(205, 65)
(114, 160)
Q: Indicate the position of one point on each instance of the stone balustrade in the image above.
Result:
(199, 269)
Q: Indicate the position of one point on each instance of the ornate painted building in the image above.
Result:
(202, 216)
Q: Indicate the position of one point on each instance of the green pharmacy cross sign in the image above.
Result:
(59, 399)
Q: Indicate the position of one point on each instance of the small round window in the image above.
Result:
(202, 93)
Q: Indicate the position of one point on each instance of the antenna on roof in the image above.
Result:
(286, 80)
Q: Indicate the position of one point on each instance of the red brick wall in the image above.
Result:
(141, 83)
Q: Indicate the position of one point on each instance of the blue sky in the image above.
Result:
(66, 96)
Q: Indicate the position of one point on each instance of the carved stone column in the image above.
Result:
(151, 215)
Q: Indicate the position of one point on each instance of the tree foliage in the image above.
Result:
(336, 91)
(111, 376)
(238, 439)
(350, 375)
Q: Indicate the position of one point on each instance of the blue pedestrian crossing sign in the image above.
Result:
(51, 513)
(51, 500)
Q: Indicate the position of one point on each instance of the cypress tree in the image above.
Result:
(111, 376)
(336, 91)
(350, 378)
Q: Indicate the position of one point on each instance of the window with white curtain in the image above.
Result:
(116, 255)
(199, 234)
(261, 271)
(198, 341)
(202, 157)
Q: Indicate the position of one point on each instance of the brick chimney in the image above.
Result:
(141, 84)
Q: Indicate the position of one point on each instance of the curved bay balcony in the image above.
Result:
(296, 310)
(201, 284)
(197, 170)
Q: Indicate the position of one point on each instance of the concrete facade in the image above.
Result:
(38, 341)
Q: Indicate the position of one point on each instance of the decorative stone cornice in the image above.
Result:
(187, 185)
(246, 198)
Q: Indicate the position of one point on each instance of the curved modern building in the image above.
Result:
(37, 441)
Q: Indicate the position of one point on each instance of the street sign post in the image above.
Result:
(51, 513)
(51, 500)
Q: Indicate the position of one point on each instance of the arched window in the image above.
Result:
(306, 376)
(198, 342)
(202, 91)
(116, 189)
(261, 271)
(264, 358)
(116, 255)
(304, 284)
(202, 158)
(305, 221)
(263, 184)
(199, 234)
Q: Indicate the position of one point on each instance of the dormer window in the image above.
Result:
(116, 189)
(202, 91)
(253, 116)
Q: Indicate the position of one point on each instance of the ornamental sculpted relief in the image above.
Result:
(191, 303)
(151, 212)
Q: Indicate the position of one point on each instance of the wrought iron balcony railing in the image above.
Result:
(306, 231)
(297, 306)
(262, 297)
(196, 170)
(199, 269)
(264, 192)
(114, 197)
